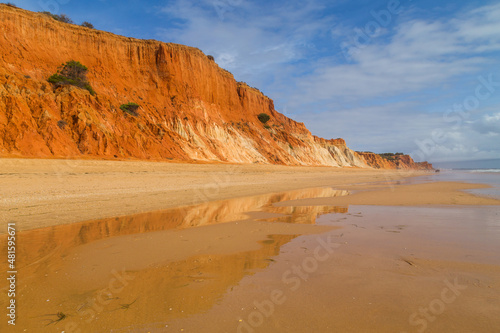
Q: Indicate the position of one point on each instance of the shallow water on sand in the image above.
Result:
(154, 266)
(388, 269)
(487, 176)
(244, 265)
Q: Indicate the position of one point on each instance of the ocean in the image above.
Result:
(480, 176)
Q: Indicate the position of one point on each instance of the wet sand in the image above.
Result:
(436, 193)
(368, 255)
(393, 270)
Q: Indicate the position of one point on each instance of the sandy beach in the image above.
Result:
(165, 247)
(43, 192)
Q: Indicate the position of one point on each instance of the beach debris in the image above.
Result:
(127, 306)
(409, 262)
(60, 316)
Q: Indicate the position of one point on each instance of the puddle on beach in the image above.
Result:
(245, 265)
(151, 267)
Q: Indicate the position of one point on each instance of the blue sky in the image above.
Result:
(420, 77)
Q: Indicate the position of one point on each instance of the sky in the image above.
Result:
(420, 77)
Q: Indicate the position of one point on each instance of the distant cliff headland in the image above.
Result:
(147, 100)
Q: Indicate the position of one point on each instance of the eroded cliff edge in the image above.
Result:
(191, 109)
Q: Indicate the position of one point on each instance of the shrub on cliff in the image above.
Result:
(263, 117)
(61, 18)
(130, 108)
(10, 4)
(390, 156)
(87, 25)
(72, 73)
(64, 18)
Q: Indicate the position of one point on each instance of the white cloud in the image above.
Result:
(420, 55)
(481, 26)
(250, 41)
(380, 128)
(487, 124)
(427, 136)
(474, 139)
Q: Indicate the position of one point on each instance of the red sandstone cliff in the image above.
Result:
(399, 162)
(191, 109)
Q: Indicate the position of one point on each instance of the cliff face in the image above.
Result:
(191, 109)
(399, 162)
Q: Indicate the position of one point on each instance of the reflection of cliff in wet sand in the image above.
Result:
(171, 272)
(47, 241)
